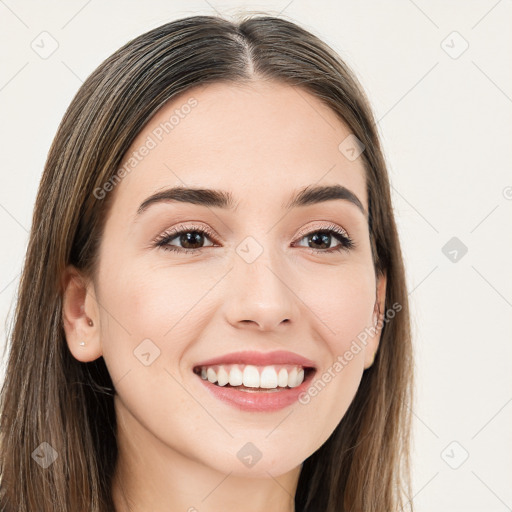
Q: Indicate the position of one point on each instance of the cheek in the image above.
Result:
(145, 330)
(150, 314)
(343, 303)
(345, 313)
(133, 315)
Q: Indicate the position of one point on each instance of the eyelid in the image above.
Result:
(303, 231)
(330, 226)
(175, 230)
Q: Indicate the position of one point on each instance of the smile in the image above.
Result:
(250, 377)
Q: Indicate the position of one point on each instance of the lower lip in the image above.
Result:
(258, 401)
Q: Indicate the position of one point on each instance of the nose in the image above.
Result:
(259, 295)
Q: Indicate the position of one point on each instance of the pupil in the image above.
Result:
(192, 237)
(325, 239)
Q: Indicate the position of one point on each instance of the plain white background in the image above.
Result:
(439, 79)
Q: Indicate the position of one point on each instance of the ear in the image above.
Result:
(80, 316)
(378, 315)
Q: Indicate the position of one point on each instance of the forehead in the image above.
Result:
(261, 141)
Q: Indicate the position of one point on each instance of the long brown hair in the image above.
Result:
(50, 397)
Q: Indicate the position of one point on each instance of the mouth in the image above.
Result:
(255, 379)
(257, 391)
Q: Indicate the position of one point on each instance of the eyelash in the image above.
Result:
(346, 243)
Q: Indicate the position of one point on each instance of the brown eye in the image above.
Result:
(320, 241)
(186, 240)
(191, 239)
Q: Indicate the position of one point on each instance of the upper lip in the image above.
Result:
(260, 359)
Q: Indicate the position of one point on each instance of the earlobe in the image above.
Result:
(80, 316)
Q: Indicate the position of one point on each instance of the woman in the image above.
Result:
(213, 312)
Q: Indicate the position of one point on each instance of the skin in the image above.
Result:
(178, 445)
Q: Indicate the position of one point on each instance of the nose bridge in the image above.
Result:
(259, 289)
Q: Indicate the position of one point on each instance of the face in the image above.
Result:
(183, 281)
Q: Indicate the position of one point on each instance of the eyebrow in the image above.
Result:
(222, 199)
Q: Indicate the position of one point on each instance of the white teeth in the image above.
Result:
(300, 376)
(222, 376)
(236, 377)
(268, 377)
(250, 376)
(283, 378)
(292, 378)
(211, 375)
(296, 377)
